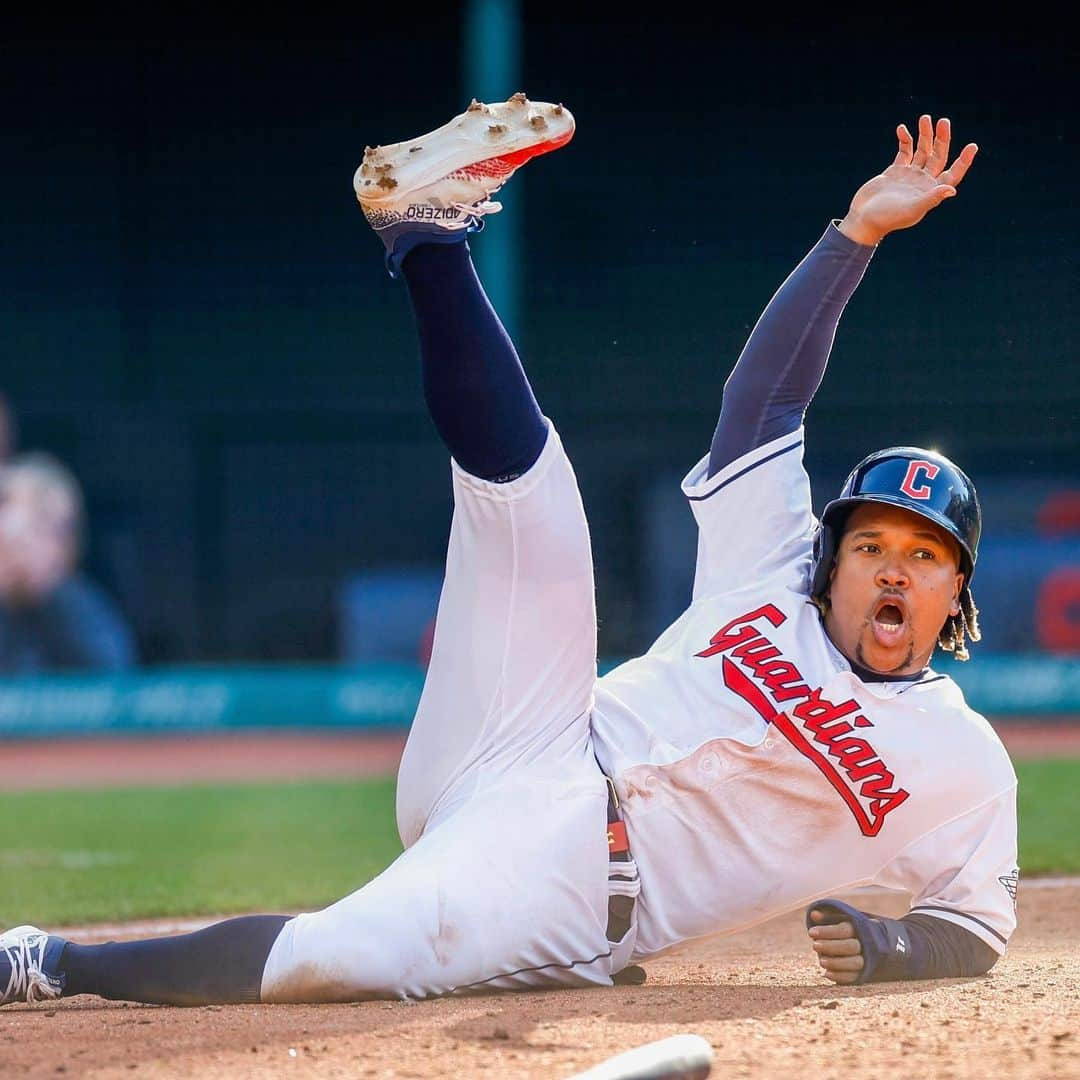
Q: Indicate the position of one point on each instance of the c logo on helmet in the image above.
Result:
(911, 485)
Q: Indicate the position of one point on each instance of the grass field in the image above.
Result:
(75, 857)
(87, 856)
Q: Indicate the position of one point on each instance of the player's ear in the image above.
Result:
(954, 604)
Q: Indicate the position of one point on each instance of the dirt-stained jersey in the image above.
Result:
(757, 772)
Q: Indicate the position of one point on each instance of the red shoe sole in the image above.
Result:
(504, 164)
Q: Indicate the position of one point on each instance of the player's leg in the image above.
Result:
(514, 656)
(508, 893)
(508, 690)
(221, 963)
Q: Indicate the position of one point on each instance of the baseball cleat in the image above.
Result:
(28, 966)
(438, 187)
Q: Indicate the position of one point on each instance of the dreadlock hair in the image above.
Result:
(961, 626)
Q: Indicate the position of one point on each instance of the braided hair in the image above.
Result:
(961, 626)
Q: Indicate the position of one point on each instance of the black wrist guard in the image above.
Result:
(886, 943)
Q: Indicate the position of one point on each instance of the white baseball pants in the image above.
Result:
(501, 805)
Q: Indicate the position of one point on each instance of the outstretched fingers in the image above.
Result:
(905, 146)
(924, 147)
(939, 148)
(956, 172)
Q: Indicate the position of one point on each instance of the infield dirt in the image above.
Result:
(756, 996)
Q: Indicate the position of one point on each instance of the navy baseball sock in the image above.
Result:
(218, 965)
(476, 390)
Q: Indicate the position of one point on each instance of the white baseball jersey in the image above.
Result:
(758, 773)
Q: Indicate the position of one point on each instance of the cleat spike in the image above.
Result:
(440, 185)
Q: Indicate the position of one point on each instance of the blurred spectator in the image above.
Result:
(52, 617)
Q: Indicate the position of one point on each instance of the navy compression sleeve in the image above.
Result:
(946, 950)
(219, 964)
(916, 946)
(475, 386)
(783, 362)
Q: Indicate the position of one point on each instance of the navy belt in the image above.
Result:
(620, 908)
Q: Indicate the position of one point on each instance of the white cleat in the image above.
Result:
(440, 184)
(28, 959)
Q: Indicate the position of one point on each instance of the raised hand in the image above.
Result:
(911, 186)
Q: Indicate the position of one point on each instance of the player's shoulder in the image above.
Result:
(968, 733)
(785, 451)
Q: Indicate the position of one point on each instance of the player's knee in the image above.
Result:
(369, 945)
(312, 962)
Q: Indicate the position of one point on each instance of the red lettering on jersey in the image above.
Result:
(777, 677)
(911, 487)
(852, 752)
(756, 651)
(817, 712)
(858, 775)
(725, 638)
(736, 681)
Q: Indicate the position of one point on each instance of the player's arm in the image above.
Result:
(854, 946)
(783, 362)
(962, 877)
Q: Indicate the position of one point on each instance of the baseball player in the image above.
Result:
(783, 742)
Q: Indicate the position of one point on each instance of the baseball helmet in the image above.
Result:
(922, 481)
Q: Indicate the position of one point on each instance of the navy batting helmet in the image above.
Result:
(922, 481)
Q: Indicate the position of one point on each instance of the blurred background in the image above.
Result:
(198, 327)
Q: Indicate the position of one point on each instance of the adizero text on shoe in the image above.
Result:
(27, 966)
(442, 181)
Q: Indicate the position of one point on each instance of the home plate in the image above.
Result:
(679, 1057)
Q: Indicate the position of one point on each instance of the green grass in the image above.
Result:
(1048, 808)
(88, 856)
(75, 856)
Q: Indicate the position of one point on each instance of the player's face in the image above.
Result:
(895, 581)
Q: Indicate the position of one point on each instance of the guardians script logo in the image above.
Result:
(773, 686)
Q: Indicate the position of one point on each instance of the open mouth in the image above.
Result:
(889, 622)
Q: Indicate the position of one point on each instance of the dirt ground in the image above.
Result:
(103, 761)
(758, 997)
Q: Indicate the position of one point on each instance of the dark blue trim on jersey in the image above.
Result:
(923, 682)
(869, 675)
(962, 915)
(743, 472)
(520, 971)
